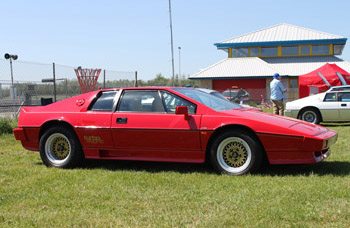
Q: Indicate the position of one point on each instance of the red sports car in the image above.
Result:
(169, 125)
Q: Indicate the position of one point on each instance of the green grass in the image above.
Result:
(148, 194)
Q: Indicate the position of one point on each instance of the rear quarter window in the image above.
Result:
(104, 102)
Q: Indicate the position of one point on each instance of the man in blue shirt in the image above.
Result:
(277, 90)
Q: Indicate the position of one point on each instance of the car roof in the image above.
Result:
(145, 88)
(340, 88)
(207, 90)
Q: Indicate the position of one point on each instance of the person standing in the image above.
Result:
(277, 90)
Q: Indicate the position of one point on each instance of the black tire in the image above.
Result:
(236, 153)
(60, 148)
(310, 115)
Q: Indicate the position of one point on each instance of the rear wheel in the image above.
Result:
(236, 153)
(60, 148)
(310, 115)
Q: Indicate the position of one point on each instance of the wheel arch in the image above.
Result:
(55, 123)
(309, 107)
(224, 128)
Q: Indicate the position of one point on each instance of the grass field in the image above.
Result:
(147, 194)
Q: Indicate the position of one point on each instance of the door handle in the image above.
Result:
(122, 120)
(343, 105)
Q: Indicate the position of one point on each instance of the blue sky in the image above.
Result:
(134, 35)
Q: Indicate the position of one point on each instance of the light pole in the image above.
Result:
(172, 46)
(179, 61)
(14, 57)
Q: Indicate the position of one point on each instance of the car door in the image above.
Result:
(329, 108)
(146, 127)
(344, 106)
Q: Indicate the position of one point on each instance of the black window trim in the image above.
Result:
(144, 90)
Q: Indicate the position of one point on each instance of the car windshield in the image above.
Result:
(213, 102)
(219, 95)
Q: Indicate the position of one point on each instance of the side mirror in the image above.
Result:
(182, 110)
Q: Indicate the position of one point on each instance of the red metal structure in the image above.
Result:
(87, 78)
(322, 78)
(169, 125)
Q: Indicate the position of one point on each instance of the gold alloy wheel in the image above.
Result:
(57, 148)
(60, 148)
(234, 154)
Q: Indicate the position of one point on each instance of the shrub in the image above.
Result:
(252, 103)
(7, 125)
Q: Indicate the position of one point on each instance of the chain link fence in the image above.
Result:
(27, 87)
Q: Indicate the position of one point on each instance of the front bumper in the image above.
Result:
(291, 113)
(321, 155)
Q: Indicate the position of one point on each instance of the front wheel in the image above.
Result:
(60, 148)
(236, 153)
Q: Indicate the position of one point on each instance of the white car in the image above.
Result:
(330, 106)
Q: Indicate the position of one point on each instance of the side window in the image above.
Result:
(330, 97)
(344, 97)
(171, 101)
(141, 101)
(104, 102)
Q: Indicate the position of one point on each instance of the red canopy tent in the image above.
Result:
(321, 78)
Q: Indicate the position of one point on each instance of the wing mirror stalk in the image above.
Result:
(182, 110)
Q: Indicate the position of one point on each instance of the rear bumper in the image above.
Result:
(19, 134)
(29, 141)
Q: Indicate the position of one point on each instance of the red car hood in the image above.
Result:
(281, 121)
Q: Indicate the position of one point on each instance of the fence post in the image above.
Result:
(135, 79)
(66, 88)
(104, 79)
(54, 81)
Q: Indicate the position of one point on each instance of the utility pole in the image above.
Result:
(104, 79)
(54, 82)
(179, 61)
(172, 45)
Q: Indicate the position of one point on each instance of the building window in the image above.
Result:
(305, 50)
(338, 49)
(269, 51)
(254, 51)
(320, 49)
(291, 50)
(239, 52)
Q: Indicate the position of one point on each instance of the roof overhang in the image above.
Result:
(254, 67)
(256, 77)
(278, 43)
